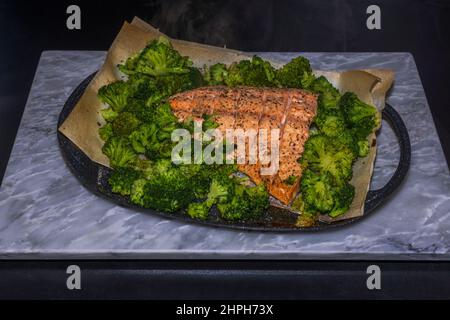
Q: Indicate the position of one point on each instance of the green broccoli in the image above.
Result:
(145, 166)
(159, 58)
(169, 189)
(140, 110)
(259, 200)
(363, 148)
(155, 138)
(171, 84)
(328, 95)
(269, 71)
(295, 74)
(109, 114)
(362, 118)
(317, 192)
(198, 210)
(346, 138)
(140, 122)
(137, 191)
(129, 66)
(216, 74)
(291, 180)
(115, 94)
(323, 155)
(234, 200)
(218, 193)
(165, 118)
(122, 179)
(255, 72)
(205, 174)
(243, 202)
(343, 196)
(236, 209)
(125, 124)
(360, 148)
(320, 195)
(105, 132)
(330, 122)
(119, 152)
(143, 87)
(143, 137)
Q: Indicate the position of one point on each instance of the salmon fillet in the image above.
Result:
(289, 110)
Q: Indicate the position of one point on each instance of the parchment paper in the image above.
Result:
(81, 126)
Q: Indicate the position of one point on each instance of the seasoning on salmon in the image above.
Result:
(289, 110)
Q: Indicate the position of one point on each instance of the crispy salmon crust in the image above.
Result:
(289, 110)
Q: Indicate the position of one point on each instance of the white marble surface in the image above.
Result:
(46, 213)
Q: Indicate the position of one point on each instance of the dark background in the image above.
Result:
(420, 27)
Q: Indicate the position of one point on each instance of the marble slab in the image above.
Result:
(46, 213)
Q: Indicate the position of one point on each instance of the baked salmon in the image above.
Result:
(289, 110)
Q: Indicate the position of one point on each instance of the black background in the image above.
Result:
(420, 27)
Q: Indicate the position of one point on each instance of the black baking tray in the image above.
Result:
(94, 177)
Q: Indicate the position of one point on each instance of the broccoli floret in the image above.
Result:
(105, 132)
(360, 148)
(234, 201)
(165, 118)
(125, 124)
(359, 115)
(320, 195)
(144, 87)
(235, 209)
(130, 64)
(115, 94)
(209, 122)
(198, 210)
(244, 203)
(347, 139)
(122, 179)
(328, 95)
(218, 192)
(143, 137)
(156, 138)
(291, 180)
(363, 148)
(269, 71)
(137, 191)
(216, 74)
(331, 122)
(295, 74)
(343, 197)
(140, 110)
(323, 155)
(317, 191)
(159, 58)
(119, 152)
(204, 176)
(256, 72)
(109, 114)
(259, 198)
(144, 166)
(169, 189)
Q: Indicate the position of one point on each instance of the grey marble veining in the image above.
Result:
(46, 213)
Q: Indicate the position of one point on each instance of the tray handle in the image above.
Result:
(376, 197)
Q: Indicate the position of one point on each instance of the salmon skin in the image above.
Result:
(289, 110)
